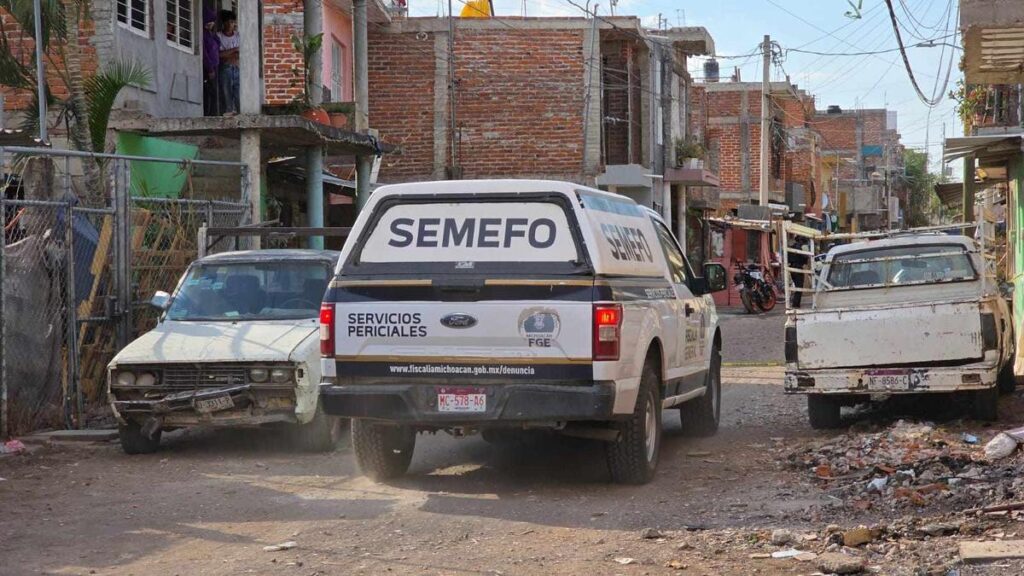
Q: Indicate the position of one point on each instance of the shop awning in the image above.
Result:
(981, 146)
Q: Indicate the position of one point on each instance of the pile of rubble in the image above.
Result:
(910, 465)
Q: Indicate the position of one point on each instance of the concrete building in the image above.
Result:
(597, 101)
(165, 36)
(861, 157)
(992, 148)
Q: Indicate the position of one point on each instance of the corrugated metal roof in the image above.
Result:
(22, 138)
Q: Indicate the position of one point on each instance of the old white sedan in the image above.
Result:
(237, 345)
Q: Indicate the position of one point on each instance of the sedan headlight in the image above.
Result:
(281, 375)
(259, 374)
(125, 378)
(146, 379)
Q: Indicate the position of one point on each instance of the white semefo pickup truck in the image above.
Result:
(908, 314)
(503, 305)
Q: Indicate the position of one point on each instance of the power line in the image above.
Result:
(929, 43)
(934, 100)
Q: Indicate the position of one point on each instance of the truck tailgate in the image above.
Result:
(888, 336)
(531, 340)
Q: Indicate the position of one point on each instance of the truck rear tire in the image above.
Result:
(133, 441)
(382, 451)
(700, 416)
(824, 412)
(633, 458)
(985, 404)
(321, 434)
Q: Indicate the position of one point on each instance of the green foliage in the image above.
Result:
(101, 91)
(970, 100)
(922, 202)
(688, 148)
(307, 46)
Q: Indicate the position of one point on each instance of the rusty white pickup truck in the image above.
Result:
(909, 314)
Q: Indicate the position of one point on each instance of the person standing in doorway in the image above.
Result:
(799, 279)
(228, 71)
(211, 63)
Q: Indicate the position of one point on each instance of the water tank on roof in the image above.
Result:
(711, 70)
(834, 109)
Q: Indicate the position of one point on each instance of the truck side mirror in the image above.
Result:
(160, 300)
(715, 277)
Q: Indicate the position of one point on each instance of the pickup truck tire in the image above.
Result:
(700, 416)
(321, 434)
(633, 458)
(824, 412)
(382, 451)
(985, 404)
(1006, 379)
(133, 441)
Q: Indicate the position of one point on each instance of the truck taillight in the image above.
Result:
(327, 330)
(607, 331)
(989, 334)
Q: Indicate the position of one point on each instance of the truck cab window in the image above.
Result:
(673, 255)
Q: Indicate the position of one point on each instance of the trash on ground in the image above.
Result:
(1004, 444)
(278, 547)
(12, 447)
(624, 561)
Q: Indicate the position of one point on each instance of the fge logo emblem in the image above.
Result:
(539, 327)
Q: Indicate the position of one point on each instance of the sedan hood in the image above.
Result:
(266, 341)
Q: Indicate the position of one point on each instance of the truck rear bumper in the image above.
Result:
(882, 380)
(505, 403)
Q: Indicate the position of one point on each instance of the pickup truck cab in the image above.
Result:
(909, 314)
(236, 345)
(496, 306)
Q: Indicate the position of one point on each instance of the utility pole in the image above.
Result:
(40, 74)
(766, 101)
(452, 106)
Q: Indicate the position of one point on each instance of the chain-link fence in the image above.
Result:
(77, 268)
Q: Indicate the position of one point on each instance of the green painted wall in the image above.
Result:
(156, 179)
(1015, 175)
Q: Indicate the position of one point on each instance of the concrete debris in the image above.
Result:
(625, 561)
(790, 553)
(651, 534)
(1004, 444)
(857, 536)
(836, 563)
(782, 537)
(676, 565)
(973, 552)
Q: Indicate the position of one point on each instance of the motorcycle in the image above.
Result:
(756, 291)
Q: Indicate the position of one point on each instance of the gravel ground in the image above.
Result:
(752, 338)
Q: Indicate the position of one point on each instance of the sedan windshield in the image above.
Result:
(251, 291)
(898, 266)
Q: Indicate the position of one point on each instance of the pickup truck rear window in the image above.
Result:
(456, 235)
(900, 266)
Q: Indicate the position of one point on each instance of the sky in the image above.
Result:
(850, 81)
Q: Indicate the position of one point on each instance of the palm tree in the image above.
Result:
(90, 99)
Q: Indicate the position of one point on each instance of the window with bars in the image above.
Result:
(134, 15)
(179, 23)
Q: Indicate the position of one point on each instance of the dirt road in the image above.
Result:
(209, 504)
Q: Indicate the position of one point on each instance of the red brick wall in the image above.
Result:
(282, 65)
(23, 49)
(520, 102)
(401, 79)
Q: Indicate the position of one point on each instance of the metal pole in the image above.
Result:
(766, 101)
(71, 314)
(5, 428)
(364, 164)
(452, 105)
(312, 22)
(40, 72)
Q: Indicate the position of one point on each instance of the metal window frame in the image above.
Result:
(175, 6)
(147, 18)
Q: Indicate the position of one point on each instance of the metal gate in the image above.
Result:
(76, 274)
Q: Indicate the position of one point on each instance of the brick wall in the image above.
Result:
(618, 83)
(520, 102)
(282, 65)
(401, 82)
(23, 49)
